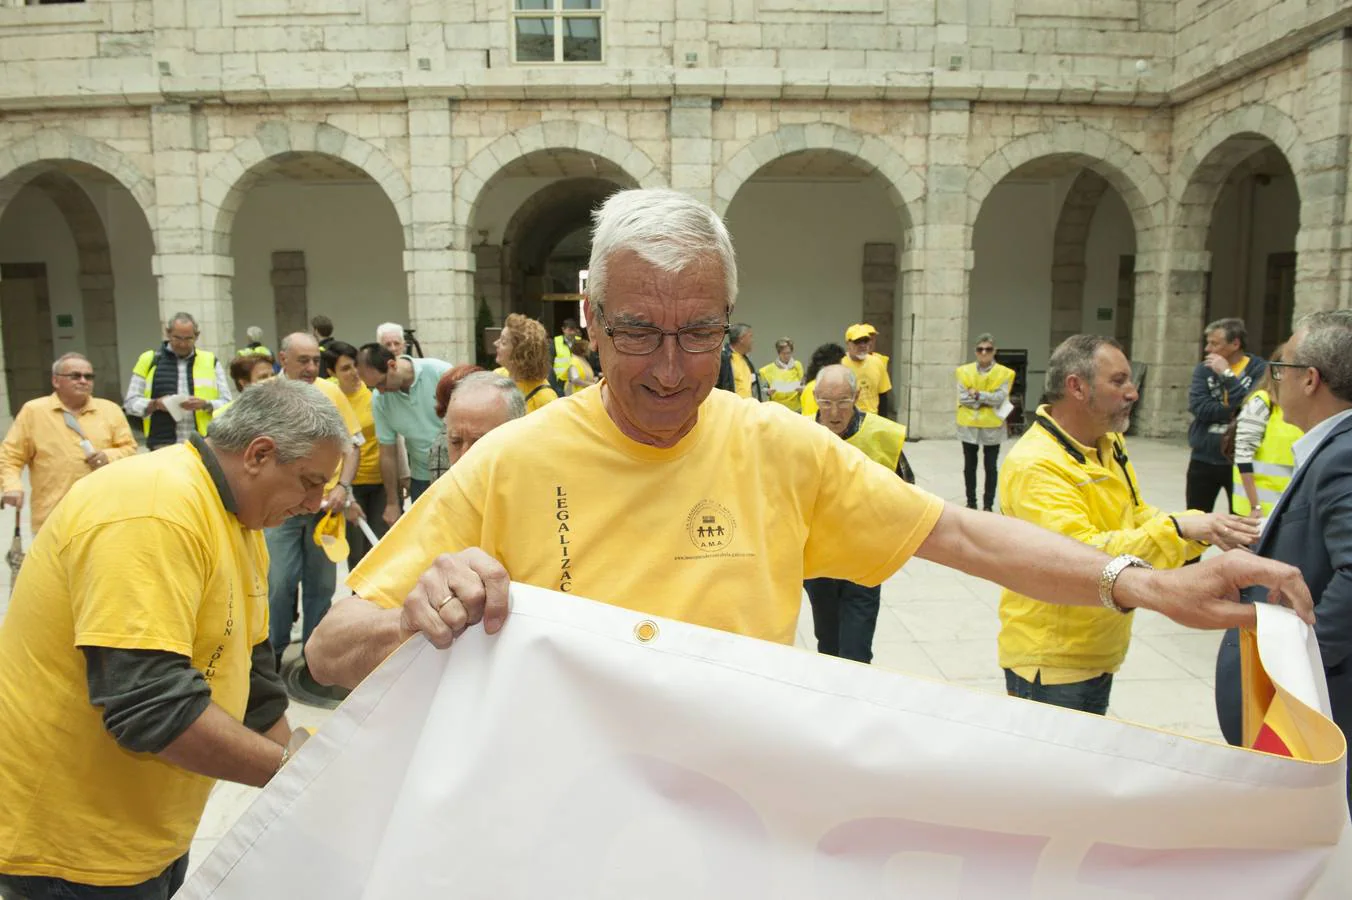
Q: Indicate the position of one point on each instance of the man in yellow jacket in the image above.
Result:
(844, 614)
(1069, 473)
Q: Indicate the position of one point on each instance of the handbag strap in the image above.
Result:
(73, 424)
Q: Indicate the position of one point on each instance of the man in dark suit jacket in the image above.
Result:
(1311, 526)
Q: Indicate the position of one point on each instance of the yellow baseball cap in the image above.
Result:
(859, 332)
(331, 535)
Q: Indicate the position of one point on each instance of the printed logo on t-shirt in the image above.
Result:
(565, 535)
(710, 526)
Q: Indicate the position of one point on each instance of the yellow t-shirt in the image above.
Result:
(536, 398)
(140, 556)
(368, 463)
(339, 400)
(873, 380)
(742, 375)
(810, 399)
(719, 530)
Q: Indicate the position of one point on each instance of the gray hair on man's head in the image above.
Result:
(1327, 346)
(393, 328)
(1074, 356)
(295, 337)
(64, 358)
(296, 415)
(254, 333)
(986, 337)
(666, 229)
(838, 372)
(1232, 328)
(482, 381)
(183, 317)
(737, 331)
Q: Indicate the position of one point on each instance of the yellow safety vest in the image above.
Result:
(563, 358)
(880, 439)
(985, 382)
(260, 350)
(1273, 463)
(203, 383)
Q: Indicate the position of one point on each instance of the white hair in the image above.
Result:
(511, 397)
(296, 415)
(64, 358)
(254, 333)
(839, 371)
(666, 228)
(389, 328)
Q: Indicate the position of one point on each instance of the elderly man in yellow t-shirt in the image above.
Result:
(135, 668)
(61, 438)
(869, 368)
(736, 502)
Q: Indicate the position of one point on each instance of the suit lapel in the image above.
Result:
(1277, 511)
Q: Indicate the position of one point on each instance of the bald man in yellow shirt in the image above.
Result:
(61, 438)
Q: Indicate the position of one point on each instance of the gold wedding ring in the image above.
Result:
(449, 598)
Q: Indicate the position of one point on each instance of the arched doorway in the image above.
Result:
(819, 235)
(75, 276)
(1251, 238)
(1054, 255)
(314, 234)
(532, 225)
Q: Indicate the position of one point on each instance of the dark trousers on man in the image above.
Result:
(1087, 696)
(371, 499)
(35, 887)
(844, 615)
(990, 456)
(1205, 482)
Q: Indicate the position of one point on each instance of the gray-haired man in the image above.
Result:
(135, 668)
(1220, 383)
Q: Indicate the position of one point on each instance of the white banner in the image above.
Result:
(590, 751)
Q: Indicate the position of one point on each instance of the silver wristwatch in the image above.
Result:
(1108, 578)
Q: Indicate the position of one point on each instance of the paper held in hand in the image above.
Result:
(1004, 409)
(173, 405)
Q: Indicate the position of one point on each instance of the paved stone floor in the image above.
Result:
(941, 624)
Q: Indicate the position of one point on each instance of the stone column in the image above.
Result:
(692, 147)
(937, 267)
(878, 275)
(1170, 294)
(1323, 244)
(192, 276)
(437, 253)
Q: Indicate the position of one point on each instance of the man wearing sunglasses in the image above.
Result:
(656, 492)
(61, 438)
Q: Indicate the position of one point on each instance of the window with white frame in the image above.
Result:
(556, 31)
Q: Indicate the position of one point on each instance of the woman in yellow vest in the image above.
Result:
(823, 356)
(1264, 461)
(785, 376)
(983, 387)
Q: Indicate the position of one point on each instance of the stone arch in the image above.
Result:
(48, 147)
(906, 187)
(1116, 162)
(1224, 143)
(224, 188)
(1068, 253)
(557, 134)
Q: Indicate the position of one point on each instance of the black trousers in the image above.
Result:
(844, 615)
(34, 887)
(1205, 482)
(371, 499)
(990, 456)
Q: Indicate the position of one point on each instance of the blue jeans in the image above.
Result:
(1087, 696)
(844, 615)
(34, 887)
(297, 562)
(416, 486)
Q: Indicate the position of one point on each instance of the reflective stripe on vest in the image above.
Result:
(1274, 462)
(203, 384)
(880, 439)
(563, 358)
(985, 382)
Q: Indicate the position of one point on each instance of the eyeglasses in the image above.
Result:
(834, 404)
(640, 340)
(77, 376)
(1276, 369)
(985, 349)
